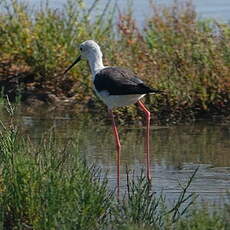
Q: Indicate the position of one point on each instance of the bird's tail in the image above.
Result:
(152, 91)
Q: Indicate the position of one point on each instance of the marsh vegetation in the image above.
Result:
(176, 52)
(48, 185)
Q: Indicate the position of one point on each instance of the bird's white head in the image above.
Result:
(91, 51)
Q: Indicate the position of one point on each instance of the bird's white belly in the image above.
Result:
(118, 100)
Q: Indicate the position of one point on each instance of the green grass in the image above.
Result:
(176, 52)
(47, 185)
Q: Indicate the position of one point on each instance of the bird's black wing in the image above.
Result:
(120, 81)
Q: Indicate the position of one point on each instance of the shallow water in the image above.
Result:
(219, 10)
(176, 151)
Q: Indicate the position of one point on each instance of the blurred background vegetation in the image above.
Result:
(187, 57)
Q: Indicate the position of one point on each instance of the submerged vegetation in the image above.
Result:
(175, 51)
(45, 186)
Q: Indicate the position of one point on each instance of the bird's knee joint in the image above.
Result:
(118, 145)
(148, 115)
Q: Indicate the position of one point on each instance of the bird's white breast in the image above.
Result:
(113, 101)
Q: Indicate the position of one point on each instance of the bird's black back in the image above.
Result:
(120, 81)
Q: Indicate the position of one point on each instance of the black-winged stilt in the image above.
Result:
(116, 87)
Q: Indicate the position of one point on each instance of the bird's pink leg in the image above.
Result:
(147, 114)
(118, 147)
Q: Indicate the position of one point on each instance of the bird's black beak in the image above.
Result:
(74, 63)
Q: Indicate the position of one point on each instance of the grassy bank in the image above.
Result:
(48, 186)
(176, 52)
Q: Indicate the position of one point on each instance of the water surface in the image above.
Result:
(176, 151)
(219, 10)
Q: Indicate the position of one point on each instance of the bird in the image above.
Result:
(116, 87)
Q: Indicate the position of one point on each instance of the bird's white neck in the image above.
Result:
(96, 63)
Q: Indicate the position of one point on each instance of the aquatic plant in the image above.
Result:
(46, 184)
